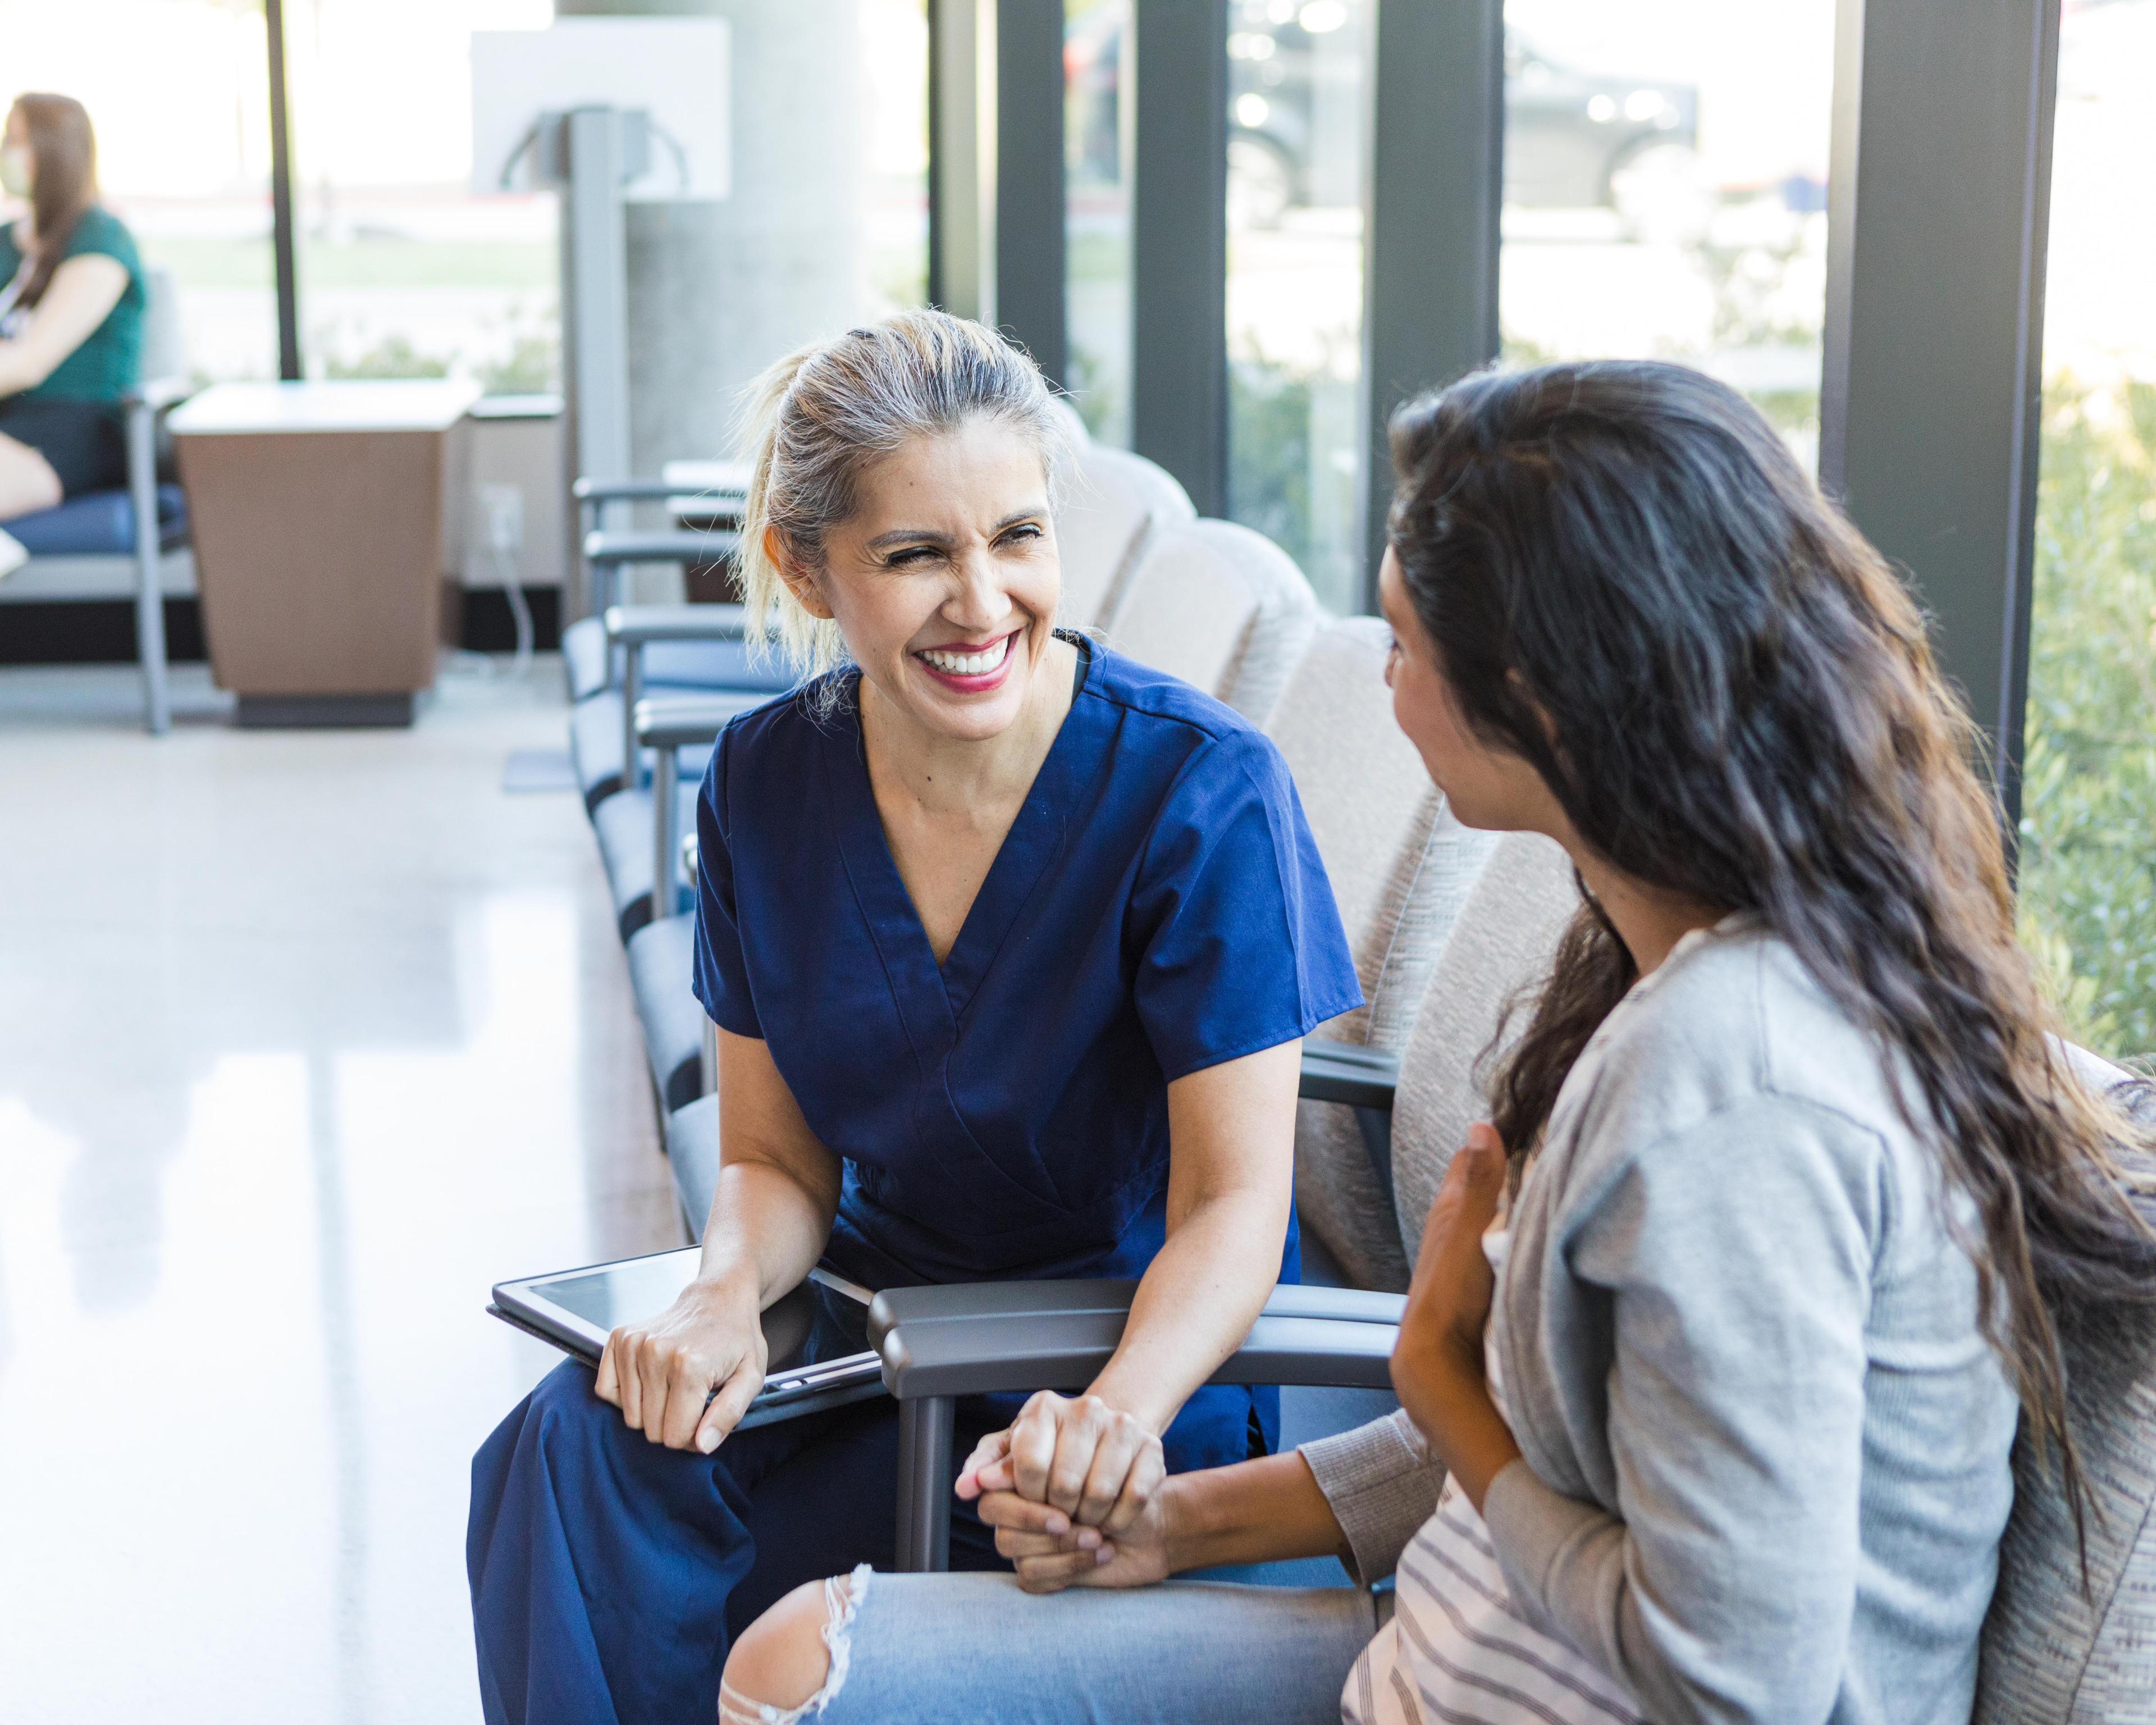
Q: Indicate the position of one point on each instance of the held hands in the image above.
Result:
(1439, 1369)
(1073, 1490)
(662, 1373)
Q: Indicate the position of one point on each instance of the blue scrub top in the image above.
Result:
(1157, 907)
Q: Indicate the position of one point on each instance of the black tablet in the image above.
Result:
(817, 1335)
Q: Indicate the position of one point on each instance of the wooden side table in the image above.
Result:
(326, 518)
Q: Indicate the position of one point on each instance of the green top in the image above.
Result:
(109, 362)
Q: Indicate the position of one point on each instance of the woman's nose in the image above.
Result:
(981, 599)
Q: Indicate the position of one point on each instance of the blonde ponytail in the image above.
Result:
(816, 421)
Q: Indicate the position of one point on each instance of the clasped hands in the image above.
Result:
(1062, 1518)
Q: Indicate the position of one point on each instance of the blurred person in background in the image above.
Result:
(71, 317)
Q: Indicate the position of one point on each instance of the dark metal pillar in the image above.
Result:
(1429, 311)
(1939, 208)
(1030, 200)
(1179, 246)
(283, 237)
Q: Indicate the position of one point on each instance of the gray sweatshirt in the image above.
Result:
(1765, 1446)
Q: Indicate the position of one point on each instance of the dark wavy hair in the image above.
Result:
(1631, 584)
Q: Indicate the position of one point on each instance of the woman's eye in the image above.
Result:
(1022, 535)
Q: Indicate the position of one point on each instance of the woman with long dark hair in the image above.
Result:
(70, 316)
(1721, 1330)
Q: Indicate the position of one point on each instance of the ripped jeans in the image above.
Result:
(970, 1650)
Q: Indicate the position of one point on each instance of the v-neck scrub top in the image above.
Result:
(1157, 907)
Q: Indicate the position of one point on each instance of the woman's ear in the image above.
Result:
(800, 581)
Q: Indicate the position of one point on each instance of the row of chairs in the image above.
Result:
(1447, 926)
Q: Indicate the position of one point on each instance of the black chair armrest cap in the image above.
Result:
(1347, 1072)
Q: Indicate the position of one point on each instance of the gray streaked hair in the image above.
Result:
(817, 420)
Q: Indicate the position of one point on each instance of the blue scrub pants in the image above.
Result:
(609, 1573)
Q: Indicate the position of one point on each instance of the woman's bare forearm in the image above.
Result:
(1194, 1305)
(767, 1228)
(1262, 1512)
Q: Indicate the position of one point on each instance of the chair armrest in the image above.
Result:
(701, 546)
(622, 491)
(1347, 1072)
(635, 625)
(970, 1338)
(668, 722)
(159, 395)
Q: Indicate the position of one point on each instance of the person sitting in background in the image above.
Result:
(1707, 1399)
(71, 317)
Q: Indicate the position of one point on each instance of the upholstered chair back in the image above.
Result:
(1501, 942)
(1113, 502)
(2058, 1651)
(1399, 865)
(1219, 606)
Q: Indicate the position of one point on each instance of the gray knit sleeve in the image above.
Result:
(1383, 1485)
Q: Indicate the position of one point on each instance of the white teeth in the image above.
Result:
(967, 665)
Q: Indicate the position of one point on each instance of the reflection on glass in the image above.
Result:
(1096, 158)
(178, 92)
(1665, 191)
(2088, 860)
(404, 272)
(894, 39)
(1298, 111)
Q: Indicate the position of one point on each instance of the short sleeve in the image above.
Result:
(101, 233)
(721, 973)
(1239, 943)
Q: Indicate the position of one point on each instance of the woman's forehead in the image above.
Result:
(986, 468)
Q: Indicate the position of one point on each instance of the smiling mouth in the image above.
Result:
(971, 662)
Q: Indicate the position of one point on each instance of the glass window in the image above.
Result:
(2088, 861)
(894, 35)
(1298, 96)
(1665, 197)
(404, 272)
(181, 119)
(1097, 117)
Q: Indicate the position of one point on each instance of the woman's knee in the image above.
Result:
(781, 1660)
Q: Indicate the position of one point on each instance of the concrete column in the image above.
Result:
(719, 290)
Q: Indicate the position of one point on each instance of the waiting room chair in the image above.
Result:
(1114, 504)
(2057, 1651)
(133, 539)
(1219, 606)
(1400, 865)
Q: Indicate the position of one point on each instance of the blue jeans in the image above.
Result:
(953, 1650)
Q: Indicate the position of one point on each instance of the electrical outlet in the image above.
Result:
(503, 508)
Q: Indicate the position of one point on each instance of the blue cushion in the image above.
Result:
(98, 524)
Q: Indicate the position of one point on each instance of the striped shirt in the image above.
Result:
(1457, 1650)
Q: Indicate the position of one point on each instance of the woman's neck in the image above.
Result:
(950, 776)
(1649, 919)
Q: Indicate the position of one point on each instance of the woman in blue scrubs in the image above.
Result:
(1011, 944)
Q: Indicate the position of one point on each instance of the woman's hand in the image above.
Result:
(662, 1373)
(1096, 1464)
(1438, 1363)
(1128, 1547)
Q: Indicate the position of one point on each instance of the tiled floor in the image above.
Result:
(306, 1039)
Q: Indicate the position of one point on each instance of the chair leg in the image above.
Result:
(924, 1484)
(149, 591)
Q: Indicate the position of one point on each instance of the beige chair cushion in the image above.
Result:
(2053, 1653)
(1399, 865)
(1502, 942)
(1220, 606)
(1113, 502)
